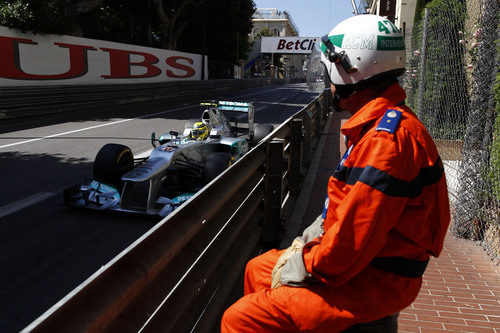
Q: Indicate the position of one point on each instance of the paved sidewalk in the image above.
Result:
(461, 288)
(460, 292)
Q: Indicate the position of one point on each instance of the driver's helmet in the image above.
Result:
(199, 131)
(362, 47)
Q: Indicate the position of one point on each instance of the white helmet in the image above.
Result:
(361, 47)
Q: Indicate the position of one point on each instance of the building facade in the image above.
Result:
(271, 21)
(401, 12)
(279, 23)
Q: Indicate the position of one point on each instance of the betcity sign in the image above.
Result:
(27, 59)
(297, 45)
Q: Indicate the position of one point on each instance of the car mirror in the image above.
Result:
(166, 137)
(153, 139)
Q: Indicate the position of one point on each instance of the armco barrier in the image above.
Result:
(17, 102)
(187, 270)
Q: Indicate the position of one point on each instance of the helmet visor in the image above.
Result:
(198, 132)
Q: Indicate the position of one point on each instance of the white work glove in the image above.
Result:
(290, 268)
(314, 230)
(296, 247)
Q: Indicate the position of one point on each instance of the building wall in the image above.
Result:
(405, 14)
(275, 20)
(281, 25)
(277, 27)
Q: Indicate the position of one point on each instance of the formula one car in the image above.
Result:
(180, 166)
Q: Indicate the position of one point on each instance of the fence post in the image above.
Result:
(295, 156)
(326, 106)
(423, 59)
(317, 118)
(272, 196)
(306, 142)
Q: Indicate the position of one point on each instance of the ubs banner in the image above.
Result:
(301, 45)
(27, 59)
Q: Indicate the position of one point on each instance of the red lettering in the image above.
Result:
(297, 44)
(120, 64)
(281, 44)
(10, 62)
(173, 62)
(289, 45)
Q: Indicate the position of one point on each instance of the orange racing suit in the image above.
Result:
(387, 198)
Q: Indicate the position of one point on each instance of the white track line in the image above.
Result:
(23, 203)
(93, 127)
(109, 124)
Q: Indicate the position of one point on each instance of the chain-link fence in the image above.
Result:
(451, 76)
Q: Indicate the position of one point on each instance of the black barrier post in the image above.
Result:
(306, 142)
(295, 156)
(324, 110)
(327, 105)
(272, 196)
(317, 119)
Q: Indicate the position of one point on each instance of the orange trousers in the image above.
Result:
(285, 309)
(371, 295)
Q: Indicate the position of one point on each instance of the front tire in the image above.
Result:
(112, 162)
(261, 131)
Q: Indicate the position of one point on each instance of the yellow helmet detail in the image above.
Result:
(199, 131)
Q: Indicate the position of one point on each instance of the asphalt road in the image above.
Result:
(48, 249)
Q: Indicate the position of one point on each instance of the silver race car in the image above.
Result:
(176, 169)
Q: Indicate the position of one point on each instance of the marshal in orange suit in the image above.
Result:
(386, 213)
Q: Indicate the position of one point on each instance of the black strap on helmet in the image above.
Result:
(384, 79)
(337, 57)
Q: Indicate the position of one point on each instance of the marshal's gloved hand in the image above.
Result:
(290, 268)
(315, 230)
(295, 248)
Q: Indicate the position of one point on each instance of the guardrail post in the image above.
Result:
(317, 119)
(272, 196)
(295, 156)
(327, 105)
(306, 142)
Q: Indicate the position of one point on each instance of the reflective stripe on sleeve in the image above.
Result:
(388, 184)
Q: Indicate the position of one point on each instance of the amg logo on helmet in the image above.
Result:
(359, 41)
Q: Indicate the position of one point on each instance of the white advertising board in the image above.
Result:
(27, 59)
(294, 45)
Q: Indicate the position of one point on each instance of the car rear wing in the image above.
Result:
(231, 106)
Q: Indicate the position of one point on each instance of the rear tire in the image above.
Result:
(261, 131)
(112, 162)
(216, 164)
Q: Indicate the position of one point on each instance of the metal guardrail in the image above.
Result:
(26, 101)
(187, 270)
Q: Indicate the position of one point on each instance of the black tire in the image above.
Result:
(190, 123)
(215, 164)
(112, 162)
(261, 131)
